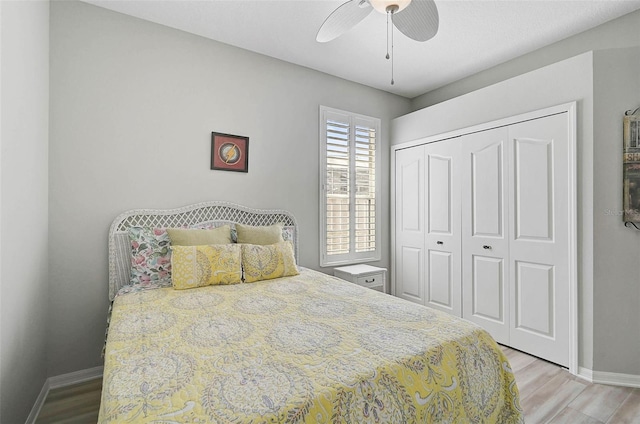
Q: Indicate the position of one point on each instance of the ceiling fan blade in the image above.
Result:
(419, 20)
(343, 19)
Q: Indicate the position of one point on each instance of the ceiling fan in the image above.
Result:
(417, 19)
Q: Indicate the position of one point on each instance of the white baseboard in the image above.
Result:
(616, 379)
(37, 406)
(75, 377)
(58, 381)
(585, 374)
(611, 378)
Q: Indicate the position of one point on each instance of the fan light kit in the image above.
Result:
(417, 19)
(384, 6)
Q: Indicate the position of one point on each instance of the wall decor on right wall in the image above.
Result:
(631, 166)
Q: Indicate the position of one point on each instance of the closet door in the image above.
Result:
(485, 260)
(409, 225)
(443, 241)
(539, 230)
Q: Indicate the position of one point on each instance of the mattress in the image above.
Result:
(310, 348)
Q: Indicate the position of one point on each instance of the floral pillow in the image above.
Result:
(150, 256)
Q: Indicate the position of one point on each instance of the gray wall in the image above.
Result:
(24, 285)
(563, 82)
(616, 249)
(618, 33)
(133, 105)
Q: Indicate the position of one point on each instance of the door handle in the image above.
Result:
(486, 246)
(439, 242)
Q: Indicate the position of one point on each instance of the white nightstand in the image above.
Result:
(364, 275)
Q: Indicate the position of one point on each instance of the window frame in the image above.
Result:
(352, 257)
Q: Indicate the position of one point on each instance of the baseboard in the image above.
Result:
(611, 378)
(75, 377)
(61, 381)
(585, 374)
(616, 379)
(37, 406)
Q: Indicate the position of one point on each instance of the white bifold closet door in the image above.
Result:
(442, 233)
(427, 225)
(410, 224)
(539, 238)
(485, 224)
(515, 235)
(482, 231)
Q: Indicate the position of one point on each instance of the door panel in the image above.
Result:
(441, 278)
(439, 192)
(533, 176)
(488, 287)
(442, 240)
(411, 267)
(411, 219)
(409, 226)
(487, 203)
(534, 293)
(485, 252)
(539, 245)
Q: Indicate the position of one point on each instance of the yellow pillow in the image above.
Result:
(198, 266)
(262, 235)
(191, 237)
(267, 262)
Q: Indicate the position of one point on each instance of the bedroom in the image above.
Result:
(102, 112)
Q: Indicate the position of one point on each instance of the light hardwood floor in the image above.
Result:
(77, 404)
(548, 393)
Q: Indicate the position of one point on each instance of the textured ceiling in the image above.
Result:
(473, 35)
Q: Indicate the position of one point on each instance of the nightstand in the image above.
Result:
(368, 276)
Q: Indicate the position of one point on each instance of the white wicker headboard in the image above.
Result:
(207, 213)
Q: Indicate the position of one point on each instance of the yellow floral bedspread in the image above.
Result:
(309, 348)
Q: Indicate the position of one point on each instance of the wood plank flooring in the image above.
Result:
(77, 404)
(548, 393)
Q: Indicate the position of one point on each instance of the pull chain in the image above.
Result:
(392, 55)
(387, 56)
(390, 12)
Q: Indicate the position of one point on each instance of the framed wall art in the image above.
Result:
(631, 166)
(229, 152)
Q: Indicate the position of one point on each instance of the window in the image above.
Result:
(350, 188)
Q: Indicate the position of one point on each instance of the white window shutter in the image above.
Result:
(350, 186)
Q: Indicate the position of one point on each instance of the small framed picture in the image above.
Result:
(229, 152)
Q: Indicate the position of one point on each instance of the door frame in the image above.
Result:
(570, 109)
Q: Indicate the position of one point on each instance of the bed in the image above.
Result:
(301, 348)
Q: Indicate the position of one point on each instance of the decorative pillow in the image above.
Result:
(150, 256)
(198, 266)
(287, 233)
(196, 237)
(262, 235)
(267, 262)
